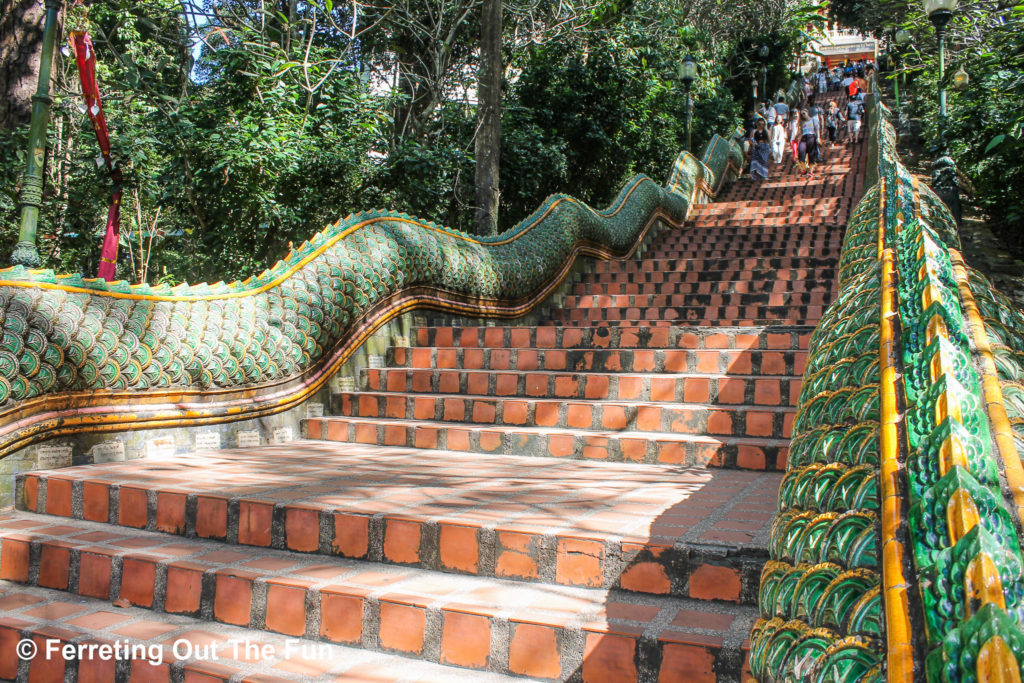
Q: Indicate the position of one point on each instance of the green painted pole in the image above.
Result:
(896, 84)
(26, 252)
(689, 120)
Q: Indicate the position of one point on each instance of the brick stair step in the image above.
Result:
(779, 250)
(681, 314)
(570, 413)
(591, 288)
(787, 277)
(509, 627)
(711, 266)
(718, 238)
(712, 358)
(824, 226)
(624, 338)
(673, 387)
(575, 301)
(749, 323)
(645, 528)
(208, 653)
(726, 204)
(769, 209)
(724, 450)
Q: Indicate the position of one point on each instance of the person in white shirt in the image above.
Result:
(779, 139)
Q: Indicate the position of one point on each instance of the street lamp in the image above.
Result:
(944, 180)
(940, 12)
(902, 40)
(762, 52)
(26, 253)
(960, 80)
(687, 74)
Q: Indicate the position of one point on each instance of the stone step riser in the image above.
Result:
(219, 652)
(798, 315)
(720, 238)
(728, 204)
(832, 221)
(749, 453)
(703, 361)
(770, 422)
(625, 338)
(784, 279)
(747, 323)
(591, 386)
(826, 287)
(665, 300)
(410, 625)
(505, 551)
(713, 266)
(724, 237)
(782, 250)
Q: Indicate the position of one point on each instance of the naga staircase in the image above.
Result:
(588, 498)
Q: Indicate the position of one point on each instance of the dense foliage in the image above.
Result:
(243, 127)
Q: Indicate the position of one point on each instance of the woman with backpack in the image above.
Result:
(808, 148)
(854, 114)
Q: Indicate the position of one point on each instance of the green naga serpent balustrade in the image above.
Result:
(896, 553)
(81, 355)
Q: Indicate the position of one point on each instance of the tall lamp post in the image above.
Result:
(944, 179)
(25, 252)
(687, 74)
(940, 12)
(902, 40)
(762, 52)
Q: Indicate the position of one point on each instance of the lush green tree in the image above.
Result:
(297, 113)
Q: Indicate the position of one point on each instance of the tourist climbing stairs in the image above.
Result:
(588, 498)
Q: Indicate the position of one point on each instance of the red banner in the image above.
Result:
(85, 56)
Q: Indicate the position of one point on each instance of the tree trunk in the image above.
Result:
(21, 42)
(488, 134)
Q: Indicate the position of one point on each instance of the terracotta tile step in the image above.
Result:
(797, 208)
(640, 521)
(506, 627)
(694, 450)
(781, 249)
(787, 278)
(727, 205)
(591, 287)
(684, 314)
(781, 188)
(746, 323)
(622, 338)
(715, 264)
(771, 421)
(818, 223)
(768, 221)
(719, 238)
(708, 355)
(210, 653)
(663, 299)
(765, 236)
(597, 385)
